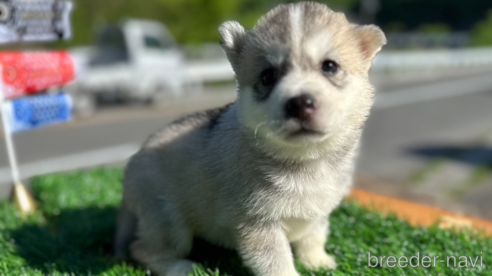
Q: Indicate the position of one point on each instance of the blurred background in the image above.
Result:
(142, 64)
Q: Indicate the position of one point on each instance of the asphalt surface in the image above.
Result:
(420, 118)
(402, 120)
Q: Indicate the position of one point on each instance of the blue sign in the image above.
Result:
(40, 110)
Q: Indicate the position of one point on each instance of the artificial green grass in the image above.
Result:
(71, 234)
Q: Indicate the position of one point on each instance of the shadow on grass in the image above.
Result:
(79, 241)
(227, 261)
(74, 241)
(475, 156)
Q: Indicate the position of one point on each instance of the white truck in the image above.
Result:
(136, 60)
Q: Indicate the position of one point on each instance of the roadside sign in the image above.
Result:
(37, 111)
(29, 73)
(23, 74)
(34, 20)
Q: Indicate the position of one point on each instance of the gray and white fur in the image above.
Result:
(263, 174)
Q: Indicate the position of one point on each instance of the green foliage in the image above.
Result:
(482, 32)
(71, 234)
(395, 27)
(437, 28)
(458, 14)
(190, 21)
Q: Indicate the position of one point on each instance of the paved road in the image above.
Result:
(392, 134)
(422, 117)
(415, 148)
(402, 119)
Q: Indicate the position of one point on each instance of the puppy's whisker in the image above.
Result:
(258, 126)
(273, 125)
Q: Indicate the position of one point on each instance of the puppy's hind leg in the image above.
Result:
(310, 250)
(162, 246)
(126, 226)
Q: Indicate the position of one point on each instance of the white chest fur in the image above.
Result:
(303, 193)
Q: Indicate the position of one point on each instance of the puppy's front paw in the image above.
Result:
(179, 268)
(318, 260)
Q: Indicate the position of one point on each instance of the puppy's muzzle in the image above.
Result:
(301, 107)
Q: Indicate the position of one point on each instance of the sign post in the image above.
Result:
(23, 74)
(23, 199)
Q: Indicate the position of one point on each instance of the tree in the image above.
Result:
(482, 32)
(190, 21)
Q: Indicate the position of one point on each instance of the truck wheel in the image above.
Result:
(159, 96)
(84, 105)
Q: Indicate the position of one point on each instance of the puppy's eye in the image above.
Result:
(329, 67)
(268, 77)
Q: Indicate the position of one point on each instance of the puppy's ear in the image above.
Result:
(371, 40)
(232, 40)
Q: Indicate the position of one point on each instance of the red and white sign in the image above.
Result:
(30, 73)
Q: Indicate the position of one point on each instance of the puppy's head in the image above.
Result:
(302, 73)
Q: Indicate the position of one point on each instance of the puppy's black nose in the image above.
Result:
(301, 107)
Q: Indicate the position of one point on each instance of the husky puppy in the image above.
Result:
(263, 174)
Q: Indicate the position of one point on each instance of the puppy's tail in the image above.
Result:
(125, 232)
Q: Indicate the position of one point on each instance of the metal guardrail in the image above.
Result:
(431, 60)
(199, 72)
(386, 62)
(217, 68)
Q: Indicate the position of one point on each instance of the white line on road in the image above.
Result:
(433, 91)
(72, 162)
